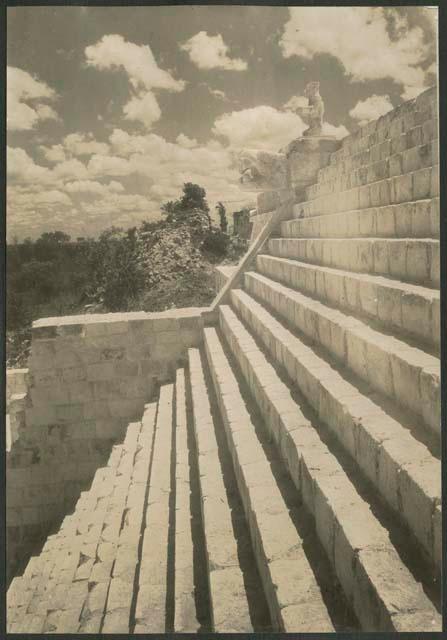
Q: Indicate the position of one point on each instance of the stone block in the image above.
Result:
(422, 183)
(402, 188)
(68, 412)
(101, 371)
(44, 332)
(74, 374)
(417, 262)
(434, 182)
(397, 259)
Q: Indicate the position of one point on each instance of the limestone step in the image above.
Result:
(127, 554)
(230, 610)
(409, 260)
(404, 162)
(407, 187)
(406, 375)
(381, 146)
(403, 118)
(68, 587)
(418, 219)
(152, 578)
(383, 593)
(289, 581)
(407, 309)
(186, 616)
(412, 159)
(397, 463)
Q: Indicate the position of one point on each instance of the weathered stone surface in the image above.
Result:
(227, 592)
(374, 612)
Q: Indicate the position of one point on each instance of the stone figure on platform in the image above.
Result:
(313, 113)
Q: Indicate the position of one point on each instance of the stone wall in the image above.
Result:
(16, 392)
(89, 376)
(221, 275)
(16, 382)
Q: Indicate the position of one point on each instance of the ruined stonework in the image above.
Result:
(277, 471)
(262, 169)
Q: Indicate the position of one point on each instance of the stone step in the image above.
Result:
(129, 558)
(383, 593)
(406, 259)
(406, 309)
(388, 453)
(381, 147)
(150, 612)
(65, 589)
(289, 582)
(418, 219)
(406, 375)
(186, 618)
(408, 187)
(402, 119)
(397, 164)
(230, 611)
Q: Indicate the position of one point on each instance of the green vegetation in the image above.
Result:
(153, 267)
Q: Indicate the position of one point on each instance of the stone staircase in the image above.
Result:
(289, 479)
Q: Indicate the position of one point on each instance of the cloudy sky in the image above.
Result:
(111, 110)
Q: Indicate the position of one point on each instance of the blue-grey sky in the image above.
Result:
(111, 109)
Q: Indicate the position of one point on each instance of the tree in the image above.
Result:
(194, 197)
(169, 207)
(39, 278)
(53, 237)
(222, 217)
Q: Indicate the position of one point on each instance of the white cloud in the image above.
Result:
(259, 128)
(125, 144)
(143, 108)
(22, 89)
(339, 131)
(55, 153)
(359, 38)
(113, 52)
(74, 144)
(168, 165)
(79, 144)
(45, 112)
(218, 93)
(370, 109)
(211, 52)
(22, 169)
(295, 102)
(71, 169)
(44, 199)
(184, 141)
(108, 166)
(94, 187)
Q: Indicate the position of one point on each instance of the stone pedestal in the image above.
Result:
(305, 156)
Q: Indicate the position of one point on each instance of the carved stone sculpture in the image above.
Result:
(313, 113)
(262, 169)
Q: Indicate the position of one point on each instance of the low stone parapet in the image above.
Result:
(16, 382)
(221, 275)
